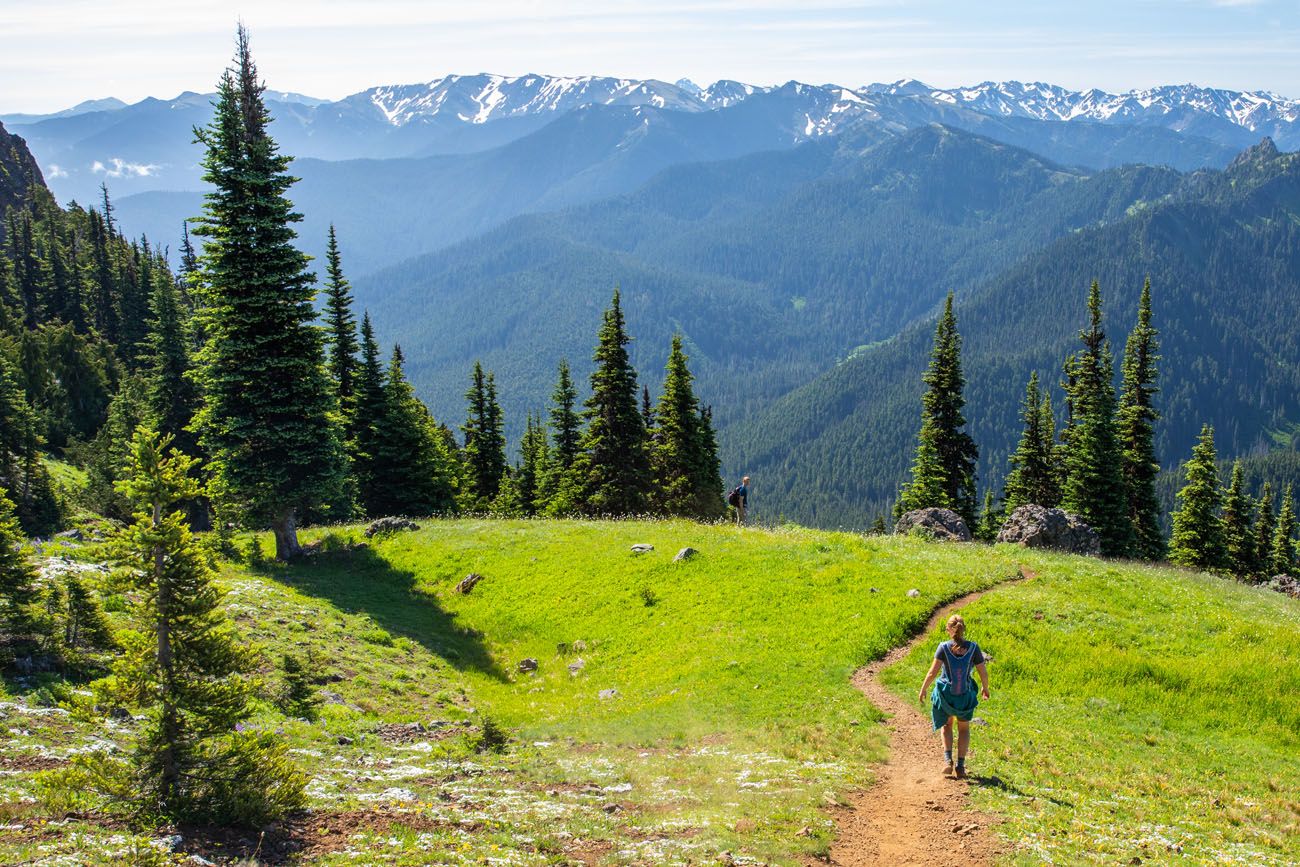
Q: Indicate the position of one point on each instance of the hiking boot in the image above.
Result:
(947, 769)
(961, 772)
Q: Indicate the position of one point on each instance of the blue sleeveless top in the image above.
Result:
(957, 669)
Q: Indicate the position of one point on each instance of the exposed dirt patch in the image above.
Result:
(408, 733)
(914, 814)
(304, 837)
(30, 763)
(588, 852)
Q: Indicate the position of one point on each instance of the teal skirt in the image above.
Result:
(944, 704)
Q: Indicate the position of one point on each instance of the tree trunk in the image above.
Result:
(286, 536)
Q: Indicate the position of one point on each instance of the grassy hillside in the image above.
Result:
(731, 724)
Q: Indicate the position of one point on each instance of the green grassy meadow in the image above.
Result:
(684, 710)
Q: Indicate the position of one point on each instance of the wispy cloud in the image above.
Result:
(120, 168)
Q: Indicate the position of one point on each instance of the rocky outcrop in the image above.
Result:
(1284, 584)
(942, 525)
(19, 173)
(1040, 527)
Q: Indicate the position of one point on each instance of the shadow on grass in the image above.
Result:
(360, 581)
(1002, 785)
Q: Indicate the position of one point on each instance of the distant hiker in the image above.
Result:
(738, 499)
(954, 695)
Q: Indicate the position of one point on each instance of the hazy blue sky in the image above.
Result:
(54, 53)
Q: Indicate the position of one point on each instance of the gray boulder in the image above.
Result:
(943, 525)
(384, 526)
(467, 583)
(642, 548)
(1039, 527)
(527, 665)
(685, 554)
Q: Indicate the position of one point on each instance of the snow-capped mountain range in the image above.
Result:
(483, 98)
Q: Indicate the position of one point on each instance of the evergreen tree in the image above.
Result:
(485, 442)
(684, 471)
(535, 457)
(269, 419)
(1265, 525)
(172, 396)
(1094, 486)
(943, 473)
(990, 520)
(1238, 528)
(566, 429)
(371, 405)
(709, 484)
(647, 411)
(611, 475)
(23, 477)
(341, 332)
(1033, 476)
(409, 465)
(17, 580)
(1136, 422)
(1282, 556)
(187, 666)
(1198, 538)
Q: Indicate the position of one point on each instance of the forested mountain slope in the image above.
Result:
(1223, 255)
(772, 266)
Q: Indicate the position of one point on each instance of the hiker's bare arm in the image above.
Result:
(935, 668)
(983, 671)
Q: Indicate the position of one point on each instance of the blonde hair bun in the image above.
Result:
(957, 628)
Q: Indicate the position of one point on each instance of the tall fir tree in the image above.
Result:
(1238, 526)
(1265, 525)
(942, 421)
(1198, 539)
(1033, 477)
(1136, 422)
(340, 332)
(410, 472)
(611, 475)
(269, 419)
(686, 480)
(187, 667)
(371, 405)
(172, 396)
(485, 443)
(1094, 486)
(1282, 556)
(566, 426)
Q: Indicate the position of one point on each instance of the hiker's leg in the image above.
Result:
(947, 736)
(963, 738)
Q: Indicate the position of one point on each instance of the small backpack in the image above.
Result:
(733, 499)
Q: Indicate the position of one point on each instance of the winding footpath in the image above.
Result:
(913, 814)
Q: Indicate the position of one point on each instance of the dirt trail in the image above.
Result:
(914, 814)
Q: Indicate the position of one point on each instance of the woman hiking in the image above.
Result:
(954, 696)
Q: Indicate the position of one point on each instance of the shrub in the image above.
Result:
(492, 738)
(298, 697)
(649, 597)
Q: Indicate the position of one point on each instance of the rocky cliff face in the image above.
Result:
(18, 173)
